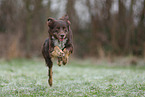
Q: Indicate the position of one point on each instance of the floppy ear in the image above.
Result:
(65, 18)
(50, 22)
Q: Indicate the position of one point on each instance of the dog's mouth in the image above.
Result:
(61, 39)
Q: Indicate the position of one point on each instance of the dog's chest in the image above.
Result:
(60, 44)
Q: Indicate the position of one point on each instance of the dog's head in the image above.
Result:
(59, 29)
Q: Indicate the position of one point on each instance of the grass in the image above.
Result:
(28, 78)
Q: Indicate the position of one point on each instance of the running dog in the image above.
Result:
(58, 44)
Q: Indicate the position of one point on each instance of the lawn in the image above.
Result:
(25, 78)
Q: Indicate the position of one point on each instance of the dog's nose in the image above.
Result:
(62, 35)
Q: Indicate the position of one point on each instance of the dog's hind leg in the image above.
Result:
(50, 75)
(46, 55)
(50, 65)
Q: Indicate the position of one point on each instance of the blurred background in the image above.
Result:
(101, 28)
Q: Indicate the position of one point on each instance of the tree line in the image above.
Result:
(100, 27)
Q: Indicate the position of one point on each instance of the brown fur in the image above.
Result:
(58, 30)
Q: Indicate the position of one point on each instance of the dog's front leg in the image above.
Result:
(58, 53)
(66, 56)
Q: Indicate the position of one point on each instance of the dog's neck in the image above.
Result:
(60, 44)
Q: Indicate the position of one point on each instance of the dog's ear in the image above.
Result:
(65, 18)
(50, 22)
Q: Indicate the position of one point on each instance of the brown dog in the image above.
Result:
(58, 44)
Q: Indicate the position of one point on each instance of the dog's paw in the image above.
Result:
(59, 62)
(50, 82)
(64, 61)
(57, 52)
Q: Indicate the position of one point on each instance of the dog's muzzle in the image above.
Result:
(62, 37)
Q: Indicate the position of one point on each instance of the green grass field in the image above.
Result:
(28, 78)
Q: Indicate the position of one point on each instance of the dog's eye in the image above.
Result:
(64, 28)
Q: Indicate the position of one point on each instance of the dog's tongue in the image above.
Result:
(61, 39)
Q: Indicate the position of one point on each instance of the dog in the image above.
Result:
(58, 44)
